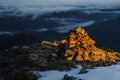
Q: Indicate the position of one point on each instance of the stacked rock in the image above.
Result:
(80, 47)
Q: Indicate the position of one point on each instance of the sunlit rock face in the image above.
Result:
(78, 46)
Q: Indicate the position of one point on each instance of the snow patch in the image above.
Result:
(57, 75)
(99, 73)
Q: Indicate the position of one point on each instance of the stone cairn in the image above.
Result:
(78, 46)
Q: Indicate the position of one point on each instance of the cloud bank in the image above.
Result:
(38, 7)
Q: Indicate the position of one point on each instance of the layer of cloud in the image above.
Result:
(8, 33)
(63, 29)
(38, 7)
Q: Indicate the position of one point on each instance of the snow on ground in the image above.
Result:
(98, 73)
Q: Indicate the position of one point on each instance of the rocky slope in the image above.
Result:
(76, 48)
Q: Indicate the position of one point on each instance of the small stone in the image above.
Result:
(83, 71)
(54, 54)
(66, 77)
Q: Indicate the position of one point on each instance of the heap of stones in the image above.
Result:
(78, 46)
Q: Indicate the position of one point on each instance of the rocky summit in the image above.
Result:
(76, 48)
